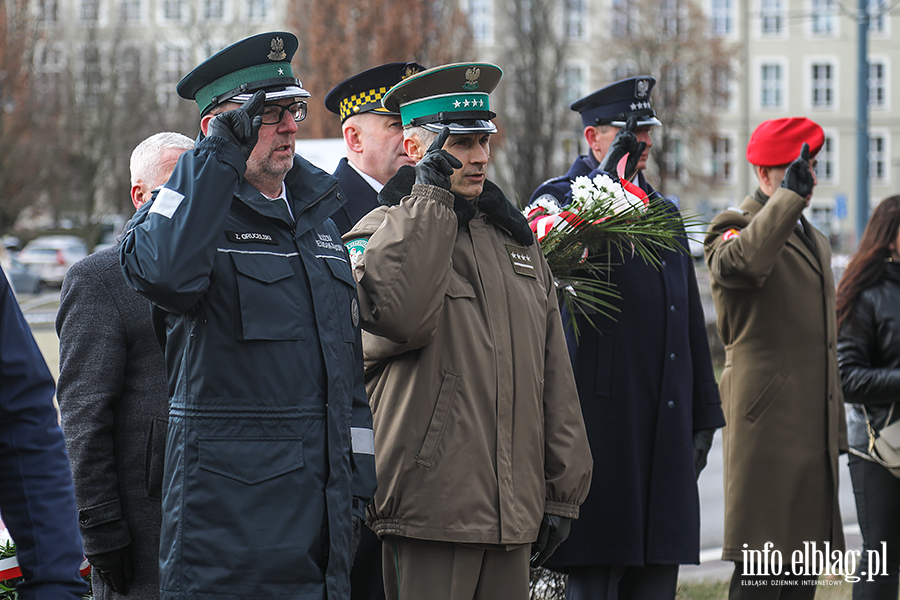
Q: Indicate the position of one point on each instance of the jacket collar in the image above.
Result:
(492, 203)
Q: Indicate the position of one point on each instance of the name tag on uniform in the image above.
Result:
(251, 236)
(520, 258)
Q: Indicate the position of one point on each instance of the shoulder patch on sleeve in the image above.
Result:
(731, 233)
(355, 248)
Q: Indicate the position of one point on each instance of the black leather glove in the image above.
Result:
(354, 540)
(241, 125)
(625, 142)
(703, 440)
(115, 568)
(798, 177)
(553, 532)
(437, 165)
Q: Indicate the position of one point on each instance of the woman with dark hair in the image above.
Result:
(868, 319)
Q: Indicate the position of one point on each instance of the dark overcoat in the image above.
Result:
(646, 384)
(361, 197)
(37, 497)
(114, 405)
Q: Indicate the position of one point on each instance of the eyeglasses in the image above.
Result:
(273, 113)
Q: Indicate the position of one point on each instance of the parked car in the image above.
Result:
(51, 256)
(23, 279)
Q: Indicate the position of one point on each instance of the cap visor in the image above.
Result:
(288, 92)
(642, 123)
(459, 127)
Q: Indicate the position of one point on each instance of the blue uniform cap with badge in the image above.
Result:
(613, 104)
(259, 62)
(363, 92)
(454, 96)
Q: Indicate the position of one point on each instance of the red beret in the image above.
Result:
(778, 141)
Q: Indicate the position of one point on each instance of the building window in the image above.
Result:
(621, 18)
(771, 86)
(47, 11)
(214, 10)
(823, 17)
(877, 89)
(721, 159)
(669, 18)
(92, 77)
(622, 71)
(673, 157)
(89, 11)
(877, 10)
(575, 18)
(481, 20)
(721, 17)
(877, 159)
(822, 86)
(131, 10)
(771, 17)
(574, 84)
(257, 10)
(173, 63)
(721, 87)
(825, 164)
(173, 10)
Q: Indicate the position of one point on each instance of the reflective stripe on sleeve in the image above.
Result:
(362, 440)
(166, 202)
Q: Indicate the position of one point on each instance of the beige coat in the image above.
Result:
(478, 428)
(780, 388)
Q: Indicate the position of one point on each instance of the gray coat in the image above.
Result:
(113, 399)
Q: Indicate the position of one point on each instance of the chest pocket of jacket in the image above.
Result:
(270, 297)
(459, 287)
(347, 302)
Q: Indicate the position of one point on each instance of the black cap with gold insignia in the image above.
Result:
(613, 104)
(454, 96)
(363, 92)
(259, 62)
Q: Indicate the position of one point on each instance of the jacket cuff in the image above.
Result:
(223, 150)
(107, 537)
(562, 509)
(434, 193)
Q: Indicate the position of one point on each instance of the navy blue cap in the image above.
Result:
(363, 92)
(613, 104)
(259, 62)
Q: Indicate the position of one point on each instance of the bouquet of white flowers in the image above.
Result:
(579, 241)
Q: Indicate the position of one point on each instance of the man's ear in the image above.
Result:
(353, 137)
(137, 195)
(592, 135)
(204, 123)
(413, 149)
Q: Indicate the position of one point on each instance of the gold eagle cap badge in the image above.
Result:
(472, 75)
(409, 71)
(277, 52)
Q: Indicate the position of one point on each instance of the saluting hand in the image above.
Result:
(241, 125)
(437, 165)
(798, 177)
(625, 142)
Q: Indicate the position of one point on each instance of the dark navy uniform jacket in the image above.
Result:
(36, 495)
(269, 436)
(361, 197)
(646, 383)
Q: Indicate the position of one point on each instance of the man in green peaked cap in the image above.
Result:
(482, 455)
(269, 457)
